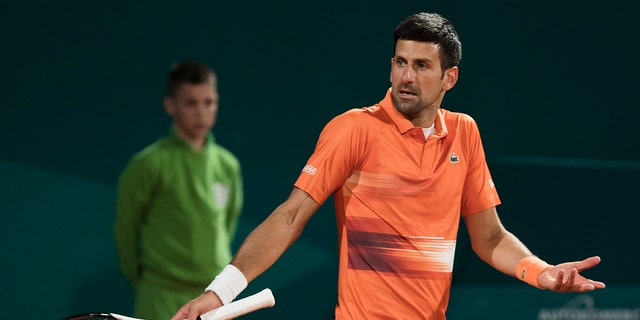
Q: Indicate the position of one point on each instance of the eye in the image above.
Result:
(400, 62)
(210, 102)
(190, 103)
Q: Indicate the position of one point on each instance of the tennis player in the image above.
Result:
(401, 173)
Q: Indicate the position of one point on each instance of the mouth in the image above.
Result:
(406, 94)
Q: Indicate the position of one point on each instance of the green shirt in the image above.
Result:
(177, 212)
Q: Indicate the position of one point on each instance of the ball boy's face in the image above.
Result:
(193, 109)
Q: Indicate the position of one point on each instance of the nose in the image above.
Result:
(201, 110)
(408, 74)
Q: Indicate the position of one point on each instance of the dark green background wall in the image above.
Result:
(552, 85)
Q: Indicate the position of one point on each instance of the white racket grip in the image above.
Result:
(121, 317)
(262, 299)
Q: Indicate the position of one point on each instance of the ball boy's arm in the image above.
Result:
(134, 193)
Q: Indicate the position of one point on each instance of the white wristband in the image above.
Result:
(228, 284)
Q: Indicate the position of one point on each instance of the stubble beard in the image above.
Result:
(410, 110)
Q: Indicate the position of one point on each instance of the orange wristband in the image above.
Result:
(530, 268)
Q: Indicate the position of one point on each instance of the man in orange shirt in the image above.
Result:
(401, 172)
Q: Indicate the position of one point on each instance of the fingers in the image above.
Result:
(196, 307)
(187, 312)
(587, 263)
(586, 287)
(566, 277)
(573, 282)
(571, 279)
(598, 285)
(559, 281)
(591, 285)
(182, 313)
(567, 285)
(193, 314)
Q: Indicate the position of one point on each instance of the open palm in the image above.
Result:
(565, 277)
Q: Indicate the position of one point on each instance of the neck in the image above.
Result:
(196, 143)
(424, 119)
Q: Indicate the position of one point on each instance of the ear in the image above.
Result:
(391, 71)
(450, 78)
(169, 105)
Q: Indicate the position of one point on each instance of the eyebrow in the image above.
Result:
(417, 61)
(424, 60)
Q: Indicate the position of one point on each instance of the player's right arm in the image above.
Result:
(264, 245)
(273, 236)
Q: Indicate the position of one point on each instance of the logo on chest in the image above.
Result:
(453, 158)
(220, 194)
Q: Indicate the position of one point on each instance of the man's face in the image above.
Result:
(418, 82)
(193, 109)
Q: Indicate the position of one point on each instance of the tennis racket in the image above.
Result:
(262, 299)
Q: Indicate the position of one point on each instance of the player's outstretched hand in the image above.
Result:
(200, 305)
(565, 277)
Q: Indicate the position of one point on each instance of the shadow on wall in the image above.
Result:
(57, 235)
(108, 291)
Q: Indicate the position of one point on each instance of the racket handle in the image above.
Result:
(262, 299)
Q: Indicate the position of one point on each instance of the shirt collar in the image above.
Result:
(176, 139)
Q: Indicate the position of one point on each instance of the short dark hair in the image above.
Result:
(193, 72)
(434, 28)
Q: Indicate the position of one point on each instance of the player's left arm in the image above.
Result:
(503, 251)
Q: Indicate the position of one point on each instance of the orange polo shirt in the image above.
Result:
(398, 198)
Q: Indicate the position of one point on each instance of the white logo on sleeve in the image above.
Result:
(220, 194)
(310, 169)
